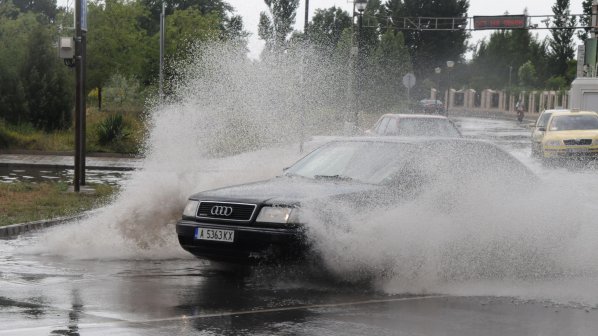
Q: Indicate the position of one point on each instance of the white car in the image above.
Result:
(415, 125)
(539, 130)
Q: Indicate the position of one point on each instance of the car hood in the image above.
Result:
(285, 190)
(574, 134)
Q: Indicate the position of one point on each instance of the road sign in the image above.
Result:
(409, 80)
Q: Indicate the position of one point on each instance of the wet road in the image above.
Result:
(41, 294)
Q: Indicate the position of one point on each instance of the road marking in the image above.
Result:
(234, 313)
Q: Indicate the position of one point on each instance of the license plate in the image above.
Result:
(215, 235)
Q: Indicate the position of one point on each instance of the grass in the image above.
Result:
(25, 202)
(25, 137)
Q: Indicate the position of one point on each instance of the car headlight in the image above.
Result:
(191, 208)
(278, 214)
(553, 143)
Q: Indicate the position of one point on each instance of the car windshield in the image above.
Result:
(543, 120)
(384, 162)
(423, 127)
(574, 122)
(361, 161)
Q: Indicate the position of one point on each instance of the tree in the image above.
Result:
(45, 7)
(585, 20)
(388, 63)
(275, 27)
(45, 84)
(503, 54)
(326, 28)
(430, 49)
(561, 43)
(527, 75)
(116, 44)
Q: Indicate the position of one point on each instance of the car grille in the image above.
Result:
(225, 210)
(573, 142)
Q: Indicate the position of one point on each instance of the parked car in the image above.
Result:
(538, 130)
(570, 135)
(431, 106)
(263, 221)
(415, 125)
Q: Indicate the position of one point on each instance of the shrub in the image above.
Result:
(111, 130)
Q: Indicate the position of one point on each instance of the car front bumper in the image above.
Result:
(251, 244)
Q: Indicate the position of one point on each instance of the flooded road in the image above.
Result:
(91, 278)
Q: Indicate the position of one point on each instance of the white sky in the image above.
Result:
(250, 10)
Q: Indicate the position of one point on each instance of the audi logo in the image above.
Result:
(221, 210)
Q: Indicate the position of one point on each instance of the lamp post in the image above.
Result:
(438, 70)
(449, 65)
(358, 9)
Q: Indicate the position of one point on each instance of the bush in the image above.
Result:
(111, 130)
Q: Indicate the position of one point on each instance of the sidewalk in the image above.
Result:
(67, 161)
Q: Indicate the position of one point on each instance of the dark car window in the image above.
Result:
(574, 122)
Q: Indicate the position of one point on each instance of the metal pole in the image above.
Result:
(83, 104)
(358, 71)
(78, 81)
(303, 75)
(306, 16)
(162, 30)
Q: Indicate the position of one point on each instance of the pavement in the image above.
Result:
(48, 160)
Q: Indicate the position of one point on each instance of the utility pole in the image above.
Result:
(162, 31)
(303, 75)
(80, 124)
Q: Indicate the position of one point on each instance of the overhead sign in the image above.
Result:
(409, 80)
(500, 22)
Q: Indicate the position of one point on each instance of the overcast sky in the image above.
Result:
(250, 10)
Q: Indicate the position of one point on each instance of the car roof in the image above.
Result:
(571, 113)
(406, 115)
(557, 111)
(411, 140)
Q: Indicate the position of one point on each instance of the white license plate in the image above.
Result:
(215, 235)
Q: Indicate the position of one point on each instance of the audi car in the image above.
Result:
(265, 221)
(570, 135)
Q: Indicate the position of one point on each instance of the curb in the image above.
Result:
(14, 230)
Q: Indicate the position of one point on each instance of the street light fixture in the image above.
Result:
(359, 7)
(449, 65)
(438, 70)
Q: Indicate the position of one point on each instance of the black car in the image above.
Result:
(262, 221)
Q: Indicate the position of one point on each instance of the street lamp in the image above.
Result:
(449, 65)
(359, 7)
(438, 70)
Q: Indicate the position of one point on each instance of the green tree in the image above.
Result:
(527, 75)
(326, 28)
(116, 43)
(276, 26)
(388, 63)
(502, 55)
(561, 44)
(585, 20)
(14, 32)
(430, 49)
(47, 8)
(45, 84)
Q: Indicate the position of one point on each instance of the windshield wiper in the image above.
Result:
(333, 177)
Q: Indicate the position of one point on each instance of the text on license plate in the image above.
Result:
(215, 234)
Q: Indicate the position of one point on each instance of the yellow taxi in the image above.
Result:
(570, 135)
